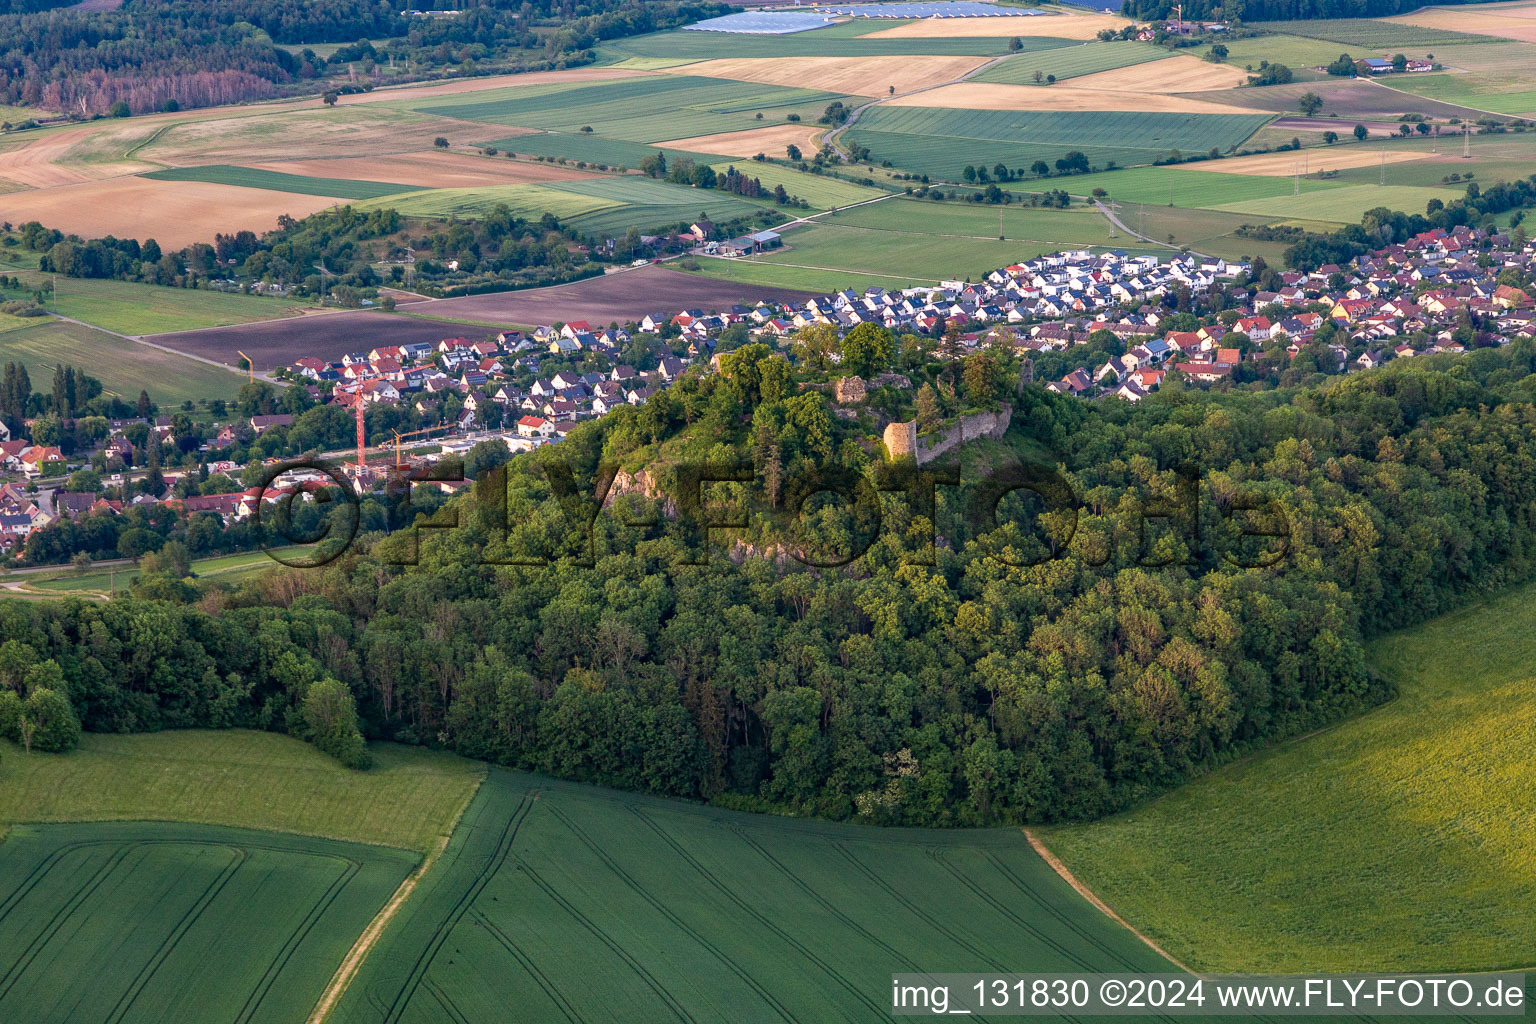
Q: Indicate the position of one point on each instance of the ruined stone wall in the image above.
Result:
(901, 439)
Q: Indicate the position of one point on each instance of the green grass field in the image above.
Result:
(1070, 62)
(124, 368)
(592, 149)
(127, 307)
(774, 275)
(1292, 50)
(939, 142)
(1344, 205)
(1182, 185)
(66, 582)
(648, 109)
(822, 191)
(136, 924)
(574, 903)
(409, 799)
(276, 181)
(1397, 841)
(525, 200)
(1488, 76)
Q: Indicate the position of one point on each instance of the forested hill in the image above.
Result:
(977, 689)
(1274, 10)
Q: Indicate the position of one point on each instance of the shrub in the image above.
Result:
(330, 723)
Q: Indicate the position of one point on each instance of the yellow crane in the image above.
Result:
(399, 462)
(250, 367)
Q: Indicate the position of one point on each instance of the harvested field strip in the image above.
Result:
(556, 898)
(1305, 161)
(771, 140)
(1070, 62)
(155, 910)
(277, 181)
(530, 200)
(858, 76)
(1062, 26)
(820, 43)
(593, 150)
(1065, 98)
(177, 213)
(1183, 73)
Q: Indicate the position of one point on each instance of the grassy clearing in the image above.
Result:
(568, 902)
(131, 308)
(409, 799)
(1344, 205)
(1070, 62)
(276, 181)
(124, 367)
(180, 922)
(104, 582)
(772, 275)
(1398, 841)
(939, 142)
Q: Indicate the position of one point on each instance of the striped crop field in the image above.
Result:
(940, 141)
(277, 181)
(135, 923)
(574, 903)
(1070, 62)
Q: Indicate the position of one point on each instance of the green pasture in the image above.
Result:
(822, 191)
(1370, 33)
(1493, 158)
(649, 203)
(1207, 231)
(1345, 204)
(124, 367)
(104, 581)
(1500, 77)
(642, 109)
(131, 923)
(574, 903)
(592, 149)
(939, 142)
(1070, 62)
(409, 799)
(1397, 841)
(777, 275)
(276, 181)
(128, 307)
(1177, 186)
(1293, 50)
(524, 200)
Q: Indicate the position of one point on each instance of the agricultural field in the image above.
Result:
(822, 191)
(409, 799)
(1493, 158)
(1061, 24)
(434, 168)
(856, 76)
(641, 109)
(593, 150)
(771, 141)
(1350, 99)
(127, 307)
(99, 582)
(1515, 21)
(1382, 34)
(124, 367)
(1484, 76)
(1344, 205)
(180, 921)
(1188, 185)
(571, 902)
(939, 142)
(1342, 851)
(1072, 97)
(530, 200)
(853, 39)
(778, 275)
(1070, 62)
(278, 181)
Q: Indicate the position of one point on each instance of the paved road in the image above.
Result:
(1117, 222)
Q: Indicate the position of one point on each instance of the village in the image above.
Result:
(1117, 325)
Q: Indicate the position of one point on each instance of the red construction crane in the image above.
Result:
(362, 438)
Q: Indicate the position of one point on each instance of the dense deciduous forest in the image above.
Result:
(977, 689)
(157, 54)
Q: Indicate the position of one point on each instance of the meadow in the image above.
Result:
(409, 799)
(939, 142)
(1487, 76)
(129, 922)
(1369, 33)
(778, 275)
(104, 582)
(571, 902)
(822, 191)
(1070, 61)
(124, 367)
(1344, 205)
(277, 181)
(1396, 841)
(592, 149)
(1179, 185)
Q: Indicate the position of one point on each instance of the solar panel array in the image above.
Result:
(764, 23)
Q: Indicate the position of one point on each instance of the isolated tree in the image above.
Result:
(329, 98)
(1329, 138)
(1399, 62)
(1309, 103)
(1361, 131)
(793, 151)
(1015, 44)
(867, 349)
(440, 142)
(330, 723)
(1039, 76)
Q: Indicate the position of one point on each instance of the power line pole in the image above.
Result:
(1466, 144)
(1383, 179)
